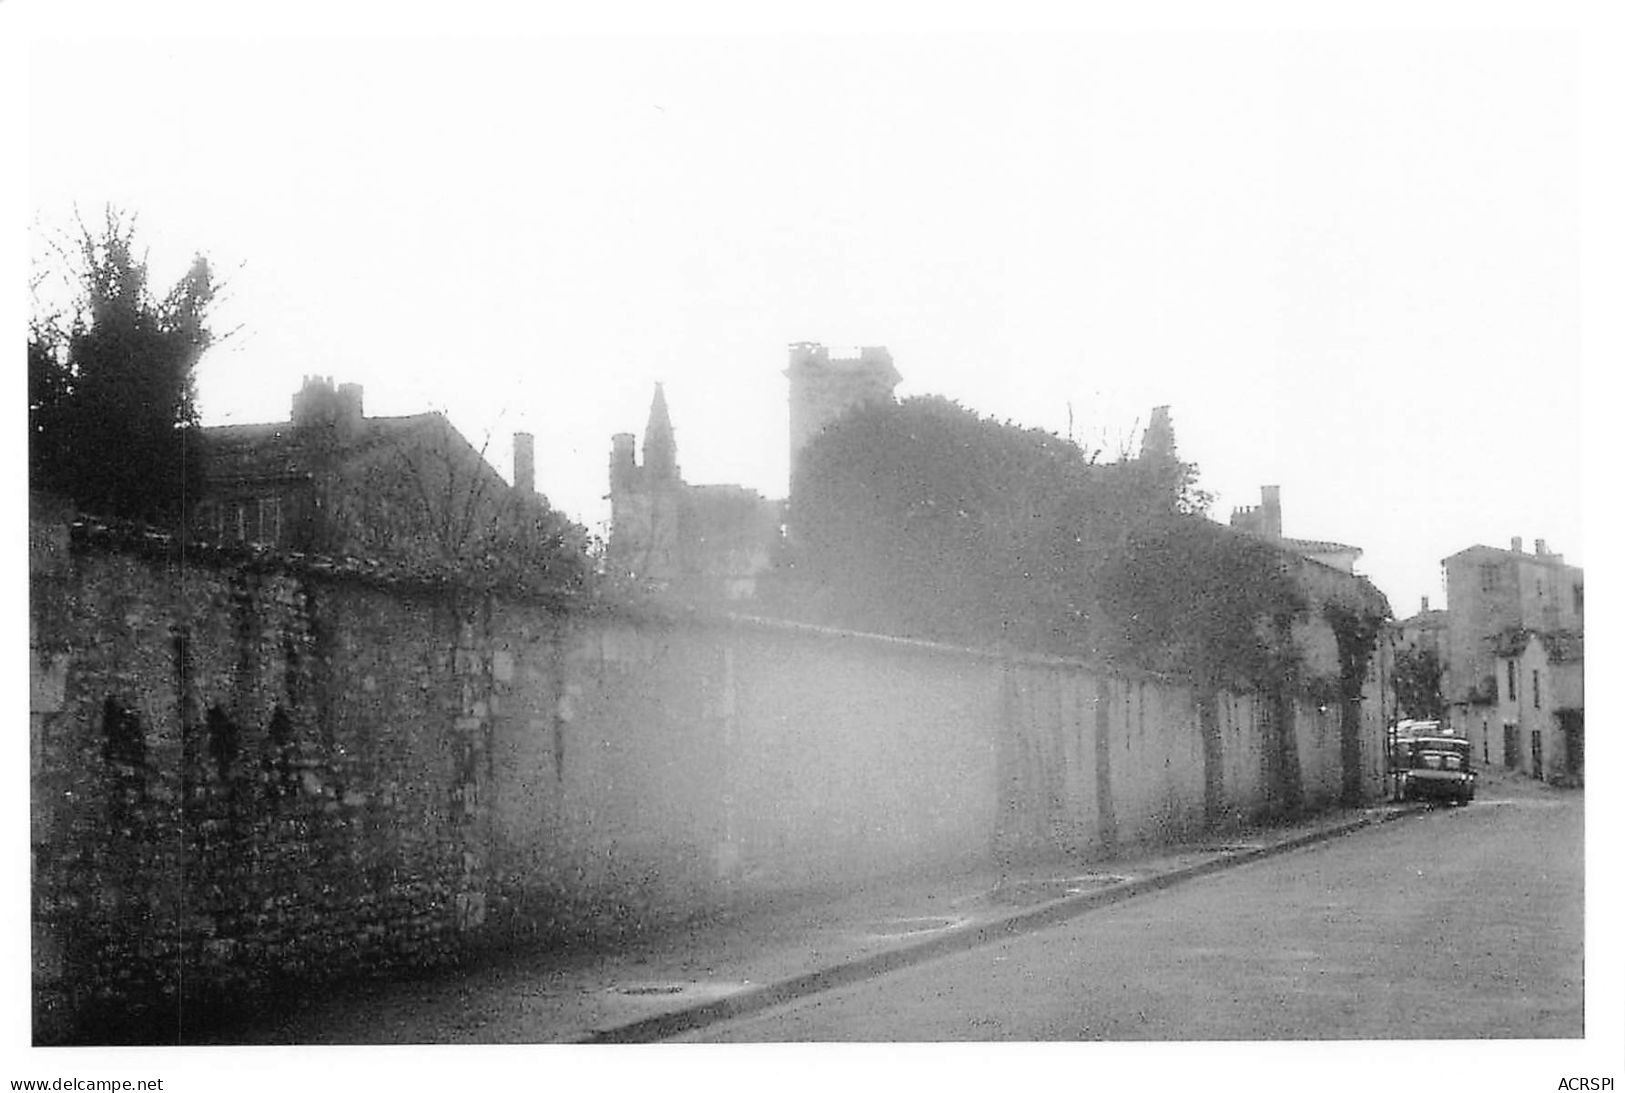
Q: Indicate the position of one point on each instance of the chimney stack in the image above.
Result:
(1424, 605)
(1517, 544)
(318, 404)
(524, 463)
(1540, 547)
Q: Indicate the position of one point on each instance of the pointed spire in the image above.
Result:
(659, 441)
(1158, 442)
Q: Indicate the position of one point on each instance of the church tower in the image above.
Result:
(645, 502)
(824, 387)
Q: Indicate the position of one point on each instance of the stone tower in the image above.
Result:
(1263, 520)
(659, 441)
(645, 501)
(1158, 442)
(823, 387)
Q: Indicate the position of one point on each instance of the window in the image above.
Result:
(269, 520)
(1579, 599)
(1512, 681)
(1489, 577)
(1534, 688)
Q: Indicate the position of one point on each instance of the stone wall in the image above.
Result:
(250, 775)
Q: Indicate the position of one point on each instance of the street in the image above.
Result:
(1461, 923)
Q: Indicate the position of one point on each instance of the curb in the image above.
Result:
(662, 1026)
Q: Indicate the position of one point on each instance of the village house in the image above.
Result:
(1515, 657)
(1264, 522)
(1540, 705)
(1418, 646)
(1427, 630)
(331, 480)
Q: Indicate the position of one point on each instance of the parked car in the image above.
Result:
(1433, 766)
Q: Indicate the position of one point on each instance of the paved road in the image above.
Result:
(1461, 923)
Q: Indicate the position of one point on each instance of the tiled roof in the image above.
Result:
(1479, 550)
(1319, 546)
(278, 450)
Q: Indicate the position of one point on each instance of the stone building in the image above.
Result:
(1514, 614)
(1426, 632)
(1264, 521)
(331, 480)
(714, 541)
(706, 540)
(1428, 629)
(1540, 705)
(823, 387)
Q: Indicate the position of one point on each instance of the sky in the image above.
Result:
(1349, 259)
(1349, 262)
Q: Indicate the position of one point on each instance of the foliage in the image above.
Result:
(431, 500)
(927, 520)
(111, 415)
(1356, 632)
(1418, 683)
(538, 548)
(1188, 596)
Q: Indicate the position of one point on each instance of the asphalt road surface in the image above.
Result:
(1461, 923)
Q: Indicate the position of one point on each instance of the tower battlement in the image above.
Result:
(826, 384)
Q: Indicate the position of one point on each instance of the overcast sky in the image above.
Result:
(1349, 262)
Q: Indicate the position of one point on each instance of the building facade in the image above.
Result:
(331, 480)
(824, 386)
(1515, 656)
(1540, 706)
(711, 541)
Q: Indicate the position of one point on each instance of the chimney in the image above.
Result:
(312, 403)
(524, 463)
(1517, 544)
(318, 404)
(1540, 547)
(1424, 605)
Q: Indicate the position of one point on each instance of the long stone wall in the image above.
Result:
(249, 776)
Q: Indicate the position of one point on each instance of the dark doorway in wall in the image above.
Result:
(1572, 724)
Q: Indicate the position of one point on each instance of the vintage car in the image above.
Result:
(1428, 764)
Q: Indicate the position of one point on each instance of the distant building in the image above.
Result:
(710, 541)
(1426, 632)
(1428, 629)
(331, 480)
(714, 541)
(823, 387)
(1540, 705)
(1264, 522)
(1500, 600)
